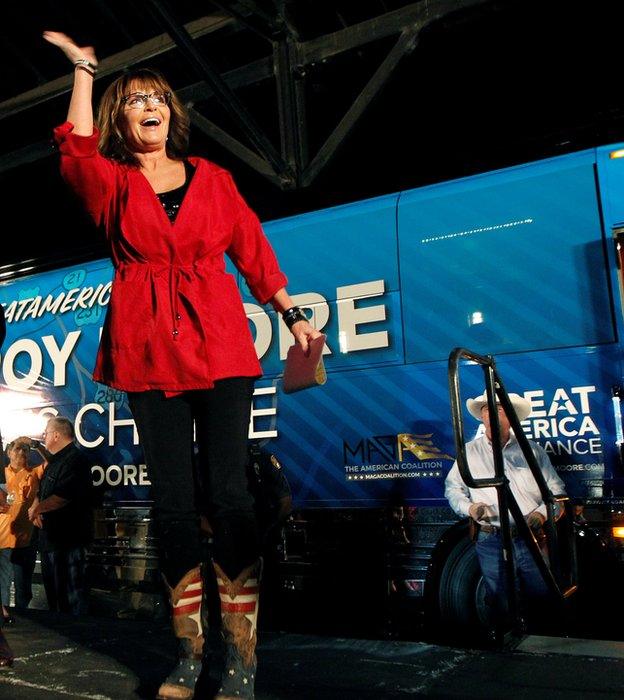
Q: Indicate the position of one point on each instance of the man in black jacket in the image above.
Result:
(64, 512)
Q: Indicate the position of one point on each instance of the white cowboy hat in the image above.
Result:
(521, 405)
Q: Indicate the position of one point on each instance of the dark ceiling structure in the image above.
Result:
(284, 63)
(315, 103)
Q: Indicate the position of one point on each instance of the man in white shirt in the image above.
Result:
(482, 504)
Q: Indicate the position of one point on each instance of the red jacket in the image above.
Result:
(175, 319)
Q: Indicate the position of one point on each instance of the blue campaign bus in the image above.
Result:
(522, 263)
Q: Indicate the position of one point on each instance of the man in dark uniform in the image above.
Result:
(269, 487)
(267, 484)
(64, 513)
(273, 503)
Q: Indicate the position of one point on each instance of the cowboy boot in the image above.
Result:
(239, 615)
(186, 603)
(212, 662)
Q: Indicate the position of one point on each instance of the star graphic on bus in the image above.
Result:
(421, 446)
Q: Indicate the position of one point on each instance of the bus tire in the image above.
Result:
(462, 594)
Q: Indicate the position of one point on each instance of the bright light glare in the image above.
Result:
(19, 414)
(617, 414)
(476, 317)
(342, 341)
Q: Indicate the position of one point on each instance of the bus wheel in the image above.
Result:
(462, 594)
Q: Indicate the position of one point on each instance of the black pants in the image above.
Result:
(23, 560)
(64, 580)
(217, 487)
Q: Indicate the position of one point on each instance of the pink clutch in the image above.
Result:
(305, 370)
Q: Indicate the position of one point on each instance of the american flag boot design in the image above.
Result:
(239, 616)
(186, 604)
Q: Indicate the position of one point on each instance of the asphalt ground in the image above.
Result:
(106, 659)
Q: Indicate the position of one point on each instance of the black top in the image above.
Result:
(172, 199)
(68, 476)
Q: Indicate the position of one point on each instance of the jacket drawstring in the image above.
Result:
(174, 284)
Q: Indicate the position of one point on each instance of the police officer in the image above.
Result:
(272, 497)
(269, 487)
(273, 503)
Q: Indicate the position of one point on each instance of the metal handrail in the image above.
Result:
(559, 585)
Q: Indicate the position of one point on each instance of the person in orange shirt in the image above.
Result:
(17, 552)
(6, 655)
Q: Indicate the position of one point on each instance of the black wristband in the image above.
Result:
(292, 316)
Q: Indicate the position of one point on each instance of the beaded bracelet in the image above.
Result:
(86, 63)
(292, 316)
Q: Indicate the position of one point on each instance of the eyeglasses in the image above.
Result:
(138, 100)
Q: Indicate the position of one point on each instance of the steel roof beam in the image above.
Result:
(241, 151)
(316, 50)
(256, 19)
(409, 21)
(238, 77)
(291, 106)
(225, 96)
(417, 16)
(287, 65)
(404, 46)
(111, 64)
(27, 154)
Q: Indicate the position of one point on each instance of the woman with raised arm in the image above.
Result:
(177, 340)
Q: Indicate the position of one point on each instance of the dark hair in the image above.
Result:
(109, 119)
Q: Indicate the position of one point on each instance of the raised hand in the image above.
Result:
(69, 47)
(80, 112)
